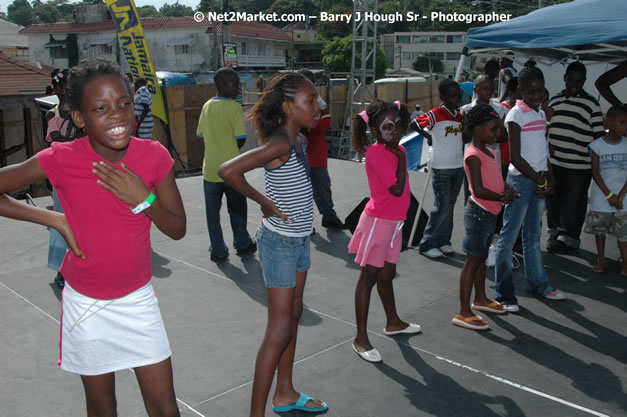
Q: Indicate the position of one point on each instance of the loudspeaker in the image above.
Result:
(353, 218)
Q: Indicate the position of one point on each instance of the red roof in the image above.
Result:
(17, 78)
(250, 29)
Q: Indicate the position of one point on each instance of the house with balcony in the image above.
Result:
(403, 48)
(178, 44)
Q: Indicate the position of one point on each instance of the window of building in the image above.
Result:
(58, 52)
(420, 39)
(404, 39)
(454, 39)
(453, 56)
(436, 39)
(261, 50)
(181, 49)
(406, 56)
(103, 49)
(243, 48)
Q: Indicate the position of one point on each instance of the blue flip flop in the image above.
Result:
(300, 405)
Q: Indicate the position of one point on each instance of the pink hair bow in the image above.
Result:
(364, 116)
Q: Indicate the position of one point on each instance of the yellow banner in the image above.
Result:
(135, 48)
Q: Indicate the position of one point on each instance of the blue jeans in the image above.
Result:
(57, 247)
(446, 185)
(321, 185)
(236, 205)
(282, 257)
(525, 212)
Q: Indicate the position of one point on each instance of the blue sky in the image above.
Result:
(157, 3)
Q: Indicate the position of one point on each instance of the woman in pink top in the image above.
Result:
(488, 194)
(113, 187)
(378, 237)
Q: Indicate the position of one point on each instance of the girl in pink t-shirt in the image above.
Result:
(113, 187)
(378, 237)
(488, 194)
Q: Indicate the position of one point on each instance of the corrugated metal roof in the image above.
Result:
(20, 79)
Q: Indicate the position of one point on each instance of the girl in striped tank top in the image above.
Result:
(377, 239)
(288, 105)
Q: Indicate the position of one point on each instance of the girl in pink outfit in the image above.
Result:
(377, 239)
(488, 194)
(113, 187)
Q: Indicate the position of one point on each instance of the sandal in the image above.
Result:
(472, 322)
(493, 307)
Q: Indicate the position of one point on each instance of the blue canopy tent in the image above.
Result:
(586, 30)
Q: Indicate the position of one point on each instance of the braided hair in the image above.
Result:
(530, 74)
(87, 70)
(478, 115)
(374, 111)
(267, 114)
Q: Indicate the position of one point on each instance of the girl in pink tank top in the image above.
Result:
(488, 194)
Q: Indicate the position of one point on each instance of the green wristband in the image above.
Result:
(607, 197)
(144, 205)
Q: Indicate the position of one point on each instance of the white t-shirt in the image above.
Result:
(446, 133)
(613, 170)
(534, 146)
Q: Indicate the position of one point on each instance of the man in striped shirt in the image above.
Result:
(143, 109)
(575, 123)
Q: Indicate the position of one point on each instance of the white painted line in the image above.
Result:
(441, 358)
(59, 323)
(33, 305)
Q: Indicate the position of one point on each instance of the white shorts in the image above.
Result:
(103, 336)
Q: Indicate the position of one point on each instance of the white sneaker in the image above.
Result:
(554, 295)
(491, 259)
(447, 249)
(433, 253)
(511, 308)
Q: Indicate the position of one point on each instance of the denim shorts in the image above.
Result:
(282, 257)
(480, 225)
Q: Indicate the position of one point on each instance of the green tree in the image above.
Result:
(293, 7)
(148, 11)
(330, 30)
(428, 63)
(20, 12)
(176, 10)
(337, 56)
(46, 12)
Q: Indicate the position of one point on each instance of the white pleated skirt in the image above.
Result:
(103, 336)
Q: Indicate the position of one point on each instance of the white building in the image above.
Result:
(11, 42)
(177, 44)
(403, 48)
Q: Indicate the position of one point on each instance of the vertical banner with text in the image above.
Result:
(135, 48)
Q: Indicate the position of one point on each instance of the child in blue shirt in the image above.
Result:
(607, 214)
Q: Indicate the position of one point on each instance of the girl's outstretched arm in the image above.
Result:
(166, 211)
(20, 175)
(233, 171)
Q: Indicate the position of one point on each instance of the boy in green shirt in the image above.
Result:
(221, 125)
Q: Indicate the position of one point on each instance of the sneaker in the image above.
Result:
(515, 262)
(59, 280)
(447, 249)
(554, 295)
(333, 224)
(491, 259)
(251, 248)
(559, 247)
(433, 253)
(511, 308)
(217, 259)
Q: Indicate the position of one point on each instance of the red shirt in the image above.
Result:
(317, 142)
(116, 242)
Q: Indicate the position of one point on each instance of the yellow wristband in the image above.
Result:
(607, 197)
